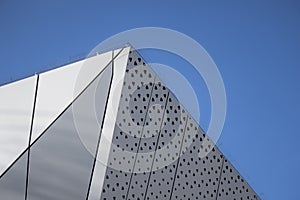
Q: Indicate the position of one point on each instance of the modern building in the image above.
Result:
(106, 127)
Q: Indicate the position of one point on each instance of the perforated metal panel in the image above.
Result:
(157, 147)
(196, 177)
(163, 171)
(133, 107)
(148, 141)
(233, 186)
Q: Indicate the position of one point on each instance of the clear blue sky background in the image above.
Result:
(255, 44)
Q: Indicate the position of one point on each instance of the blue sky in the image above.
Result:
(255, 44)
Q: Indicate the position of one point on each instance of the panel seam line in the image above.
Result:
(30, 135)
(100, 133)
(57, 118)
(220, 177)
(149, 178)
(173, 184)
(138, 147)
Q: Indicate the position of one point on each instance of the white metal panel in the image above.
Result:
(120, 64)
(60, 165)
(16, 107)
(58, 88)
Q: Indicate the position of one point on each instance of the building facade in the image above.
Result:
(106, 127)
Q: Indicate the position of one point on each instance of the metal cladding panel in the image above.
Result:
(148, 142)
(58, 88)
(167, 152)
(233, 186)
(105, 145)
(138, 82)
(13, 182)
(196, 177)
(157, 151)
(62, 159)
(16, 108)
(125, 136)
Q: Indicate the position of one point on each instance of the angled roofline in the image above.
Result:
(86, 56)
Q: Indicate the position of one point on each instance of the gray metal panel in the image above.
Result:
(60, 166)
(133, 107)
(197, 178)
(58, 88)
(60, 161)
(152, 130)
(153, 171)
(168, 151)
(233, 186)
(13, 182)
(148, 142)
(119, 63)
